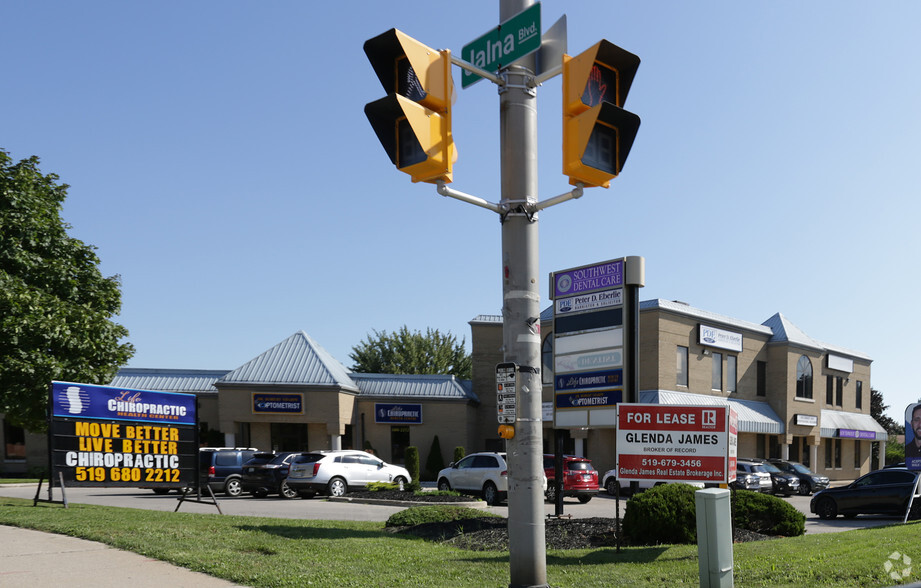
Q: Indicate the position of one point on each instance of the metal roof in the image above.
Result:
(832, 420)
(414, 386)
(298, 360)
(164, 380)
(754, 417)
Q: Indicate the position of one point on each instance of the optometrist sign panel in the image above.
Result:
(671, 442)
(109, 437)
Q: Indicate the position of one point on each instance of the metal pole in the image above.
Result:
(521, 313)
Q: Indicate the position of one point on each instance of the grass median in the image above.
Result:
(255, 551)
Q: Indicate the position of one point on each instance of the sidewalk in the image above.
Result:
(45, 560)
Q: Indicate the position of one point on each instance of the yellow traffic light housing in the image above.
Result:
(506, 431)
(597, 132)
(413, 123)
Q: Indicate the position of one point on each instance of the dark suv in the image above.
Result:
(267, 473)
(580, 479)
(221, 468)
(808, 481)
(784, 483)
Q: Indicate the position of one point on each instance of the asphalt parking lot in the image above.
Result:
(320, 509)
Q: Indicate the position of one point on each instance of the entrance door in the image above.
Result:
(399, 441)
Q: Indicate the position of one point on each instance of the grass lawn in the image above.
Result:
(285, 552)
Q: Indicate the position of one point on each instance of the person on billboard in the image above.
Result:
(913, 442)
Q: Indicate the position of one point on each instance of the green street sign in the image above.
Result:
(511, 40)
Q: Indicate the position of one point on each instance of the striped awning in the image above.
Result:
(754, 417)
(852, 425)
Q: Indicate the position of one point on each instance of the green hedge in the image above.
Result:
(418, 515)
(766, 514)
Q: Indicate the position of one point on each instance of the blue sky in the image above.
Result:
(219, 159)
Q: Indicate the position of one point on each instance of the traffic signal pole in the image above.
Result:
(521, 311)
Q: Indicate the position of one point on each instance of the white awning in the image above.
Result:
(857, 426)
(754, 417)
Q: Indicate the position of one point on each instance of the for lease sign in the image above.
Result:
(684, 443)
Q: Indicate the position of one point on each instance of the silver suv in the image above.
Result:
(484, 474)
(335, 472)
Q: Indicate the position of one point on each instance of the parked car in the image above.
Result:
(610, 483)
(335, 472)
(580, 479)
(221, 468)
(747, 466)
(808, 481)
(484, 474)
(267, 473)
(783, 483)
(745, 481)
(885, 491)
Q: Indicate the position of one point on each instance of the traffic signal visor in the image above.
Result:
(597, 133)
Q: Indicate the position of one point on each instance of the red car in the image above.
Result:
(580, 479)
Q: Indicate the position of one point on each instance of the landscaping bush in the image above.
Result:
(418, 515)
(412, 462)
(766, 514)
(663, 514)
(435, 463)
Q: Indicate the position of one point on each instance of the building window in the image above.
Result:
(857, 459)
(762, 378)
(731, 368)
(804, 377)
(829, 390)
(761, 444)
(14, 441)
(717, 380)
(858, 401)
(682, 379)
(546, 359)
(829, 453)
(839, 391)
(838, 453)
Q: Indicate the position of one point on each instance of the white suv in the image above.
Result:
(484, 474)
(334, 472)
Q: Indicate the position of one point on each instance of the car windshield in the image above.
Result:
(281, 458)
(308, 458)
(261, 458)
(801, 468)
(768, 467)
(585, 466)
(758, 468)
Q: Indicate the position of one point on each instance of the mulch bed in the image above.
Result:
(491, 534)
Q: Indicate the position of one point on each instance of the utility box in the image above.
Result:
(714, 537)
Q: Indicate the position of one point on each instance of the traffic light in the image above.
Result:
(597, 132)
(413, 123)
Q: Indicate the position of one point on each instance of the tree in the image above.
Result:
(878, 412)
(55, 305)
(404, 352)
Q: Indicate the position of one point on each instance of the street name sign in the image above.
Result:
(511, 40)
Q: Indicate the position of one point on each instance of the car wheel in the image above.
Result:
(826, 509)
(804, 490)
(490, 494)
(336, 487)
(584, 499)
(400, 480)
(444, 485)
(260, 493)
(233, 487)
(551, 491)
(286, 491)
(611, 487)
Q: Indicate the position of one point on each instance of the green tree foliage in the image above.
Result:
(412, 462)
(55, 305)
(878, 411)
(405, 352)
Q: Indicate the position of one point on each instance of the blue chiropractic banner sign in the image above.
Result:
(88, 401)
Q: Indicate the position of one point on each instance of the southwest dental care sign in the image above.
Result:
(104, 436)
(676, 443)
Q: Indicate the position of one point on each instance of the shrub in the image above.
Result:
(663, 514)
(418, 515)
(435, 463)
(766, 514)
(412, 462)
(459, 453)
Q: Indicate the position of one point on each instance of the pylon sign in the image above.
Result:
(597, 132)
(413, 123)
